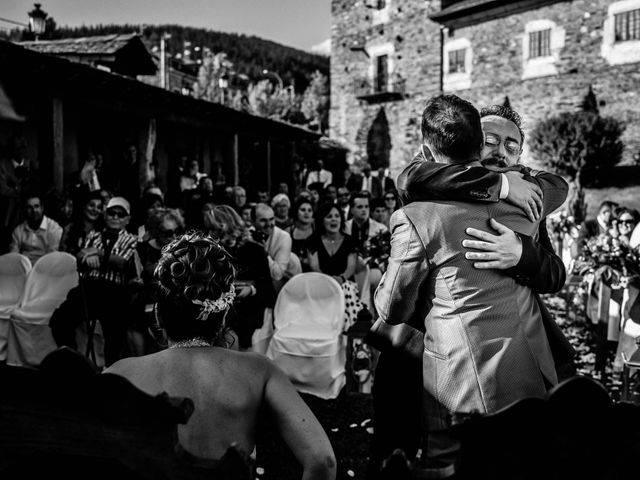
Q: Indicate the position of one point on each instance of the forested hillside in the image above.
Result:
(249, 54)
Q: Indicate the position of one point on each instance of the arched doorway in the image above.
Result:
(379, 142)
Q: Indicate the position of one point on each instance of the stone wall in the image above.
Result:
(497, 70)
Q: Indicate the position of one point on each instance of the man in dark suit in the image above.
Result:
(366, 182)
(521, 257)
(386, 180)
(595, 226)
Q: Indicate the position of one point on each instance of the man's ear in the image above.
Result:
(426, 153)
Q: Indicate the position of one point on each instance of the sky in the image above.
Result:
(301, 24)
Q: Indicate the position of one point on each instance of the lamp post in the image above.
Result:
(278, 77)
(37, 20)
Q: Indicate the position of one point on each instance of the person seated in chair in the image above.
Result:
(228, 388)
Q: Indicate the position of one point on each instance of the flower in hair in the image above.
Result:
(222, 303)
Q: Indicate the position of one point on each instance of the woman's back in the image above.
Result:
(227, 389)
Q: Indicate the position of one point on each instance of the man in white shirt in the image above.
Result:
(320, 175)
(277, 244)
(38, 234)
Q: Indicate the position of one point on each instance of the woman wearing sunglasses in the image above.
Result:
(162, 227)
(627, 220)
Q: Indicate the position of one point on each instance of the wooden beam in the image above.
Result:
(58, 143)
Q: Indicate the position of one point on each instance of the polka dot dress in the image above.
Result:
(352, 302)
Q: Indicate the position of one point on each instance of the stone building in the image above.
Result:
(390, 56)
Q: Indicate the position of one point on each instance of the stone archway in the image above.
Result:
(379, 141)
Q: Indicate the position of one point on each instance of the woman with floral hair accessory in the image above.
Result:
(228, 388)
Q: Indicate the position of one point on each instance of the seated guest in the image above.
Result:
(344, 200)
(365, 182)
(88, 217)
(230, 390)
(254, 290)
(379, 212)
(361, 226)
(593, 227)
(38, 234)
(330, 194)
(319, 175)
(107, 265)
(316, 190)
(263, 196)
(385, 179)
(276, 242)
(163, 225)
(151, 200)
(391, 201)
(301, 229)
(332, 252)
(626, 222)
(245, 214)
(239, 198)
(190, 178)
(281, 206)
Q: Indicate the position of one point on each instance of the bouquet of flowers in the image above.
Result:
(378, 249)
(563, 225)
(616, 262)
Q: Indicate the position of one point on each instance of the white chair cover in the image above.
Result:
(48, 283)
(14, 269)
(308, 343)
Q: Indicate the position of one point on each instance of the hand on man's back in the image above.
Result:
(524, 194)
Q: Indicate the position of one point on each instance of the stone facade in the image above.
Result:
(580, 54)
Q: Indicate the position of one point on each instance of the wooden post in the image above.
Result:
(269, 166)
(148, 143)
(236, 160)
(58, 144)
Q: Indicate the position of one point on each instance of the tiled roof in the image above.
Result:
(102, 45)
(464, 5)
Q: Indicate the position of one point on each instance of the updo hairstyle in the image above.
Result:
(192, 267)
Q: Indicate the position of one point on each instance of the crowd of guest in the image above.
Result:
(117, 241)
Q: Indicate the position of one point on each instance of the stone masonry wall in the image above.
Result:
(496, 72)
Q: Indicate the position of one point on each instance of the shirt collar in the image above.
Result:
(43, 224)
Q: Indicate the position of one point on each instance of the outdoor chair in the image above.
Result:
(307, 342)
(14, 269)
(30, 338)
(64, 420)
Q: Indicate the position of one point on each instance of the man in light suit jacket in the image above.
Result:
(530, 262)
(485, 344)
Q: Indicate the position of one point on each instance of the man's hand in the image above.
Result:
(93, 261)
(500, 251)
(525, 195)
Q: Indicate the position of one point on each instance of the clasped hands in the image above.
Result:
(92, 257)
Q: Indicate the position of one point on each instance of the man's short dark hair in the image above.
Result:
(451, 126)
(608, 204)
(357, 195)
(508, 114)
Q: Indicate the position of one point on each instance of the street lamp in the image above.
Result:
(270, 72)
(37, 20)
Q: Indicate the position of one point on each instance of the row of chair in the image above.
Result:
(306, 340)
(28, 297)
